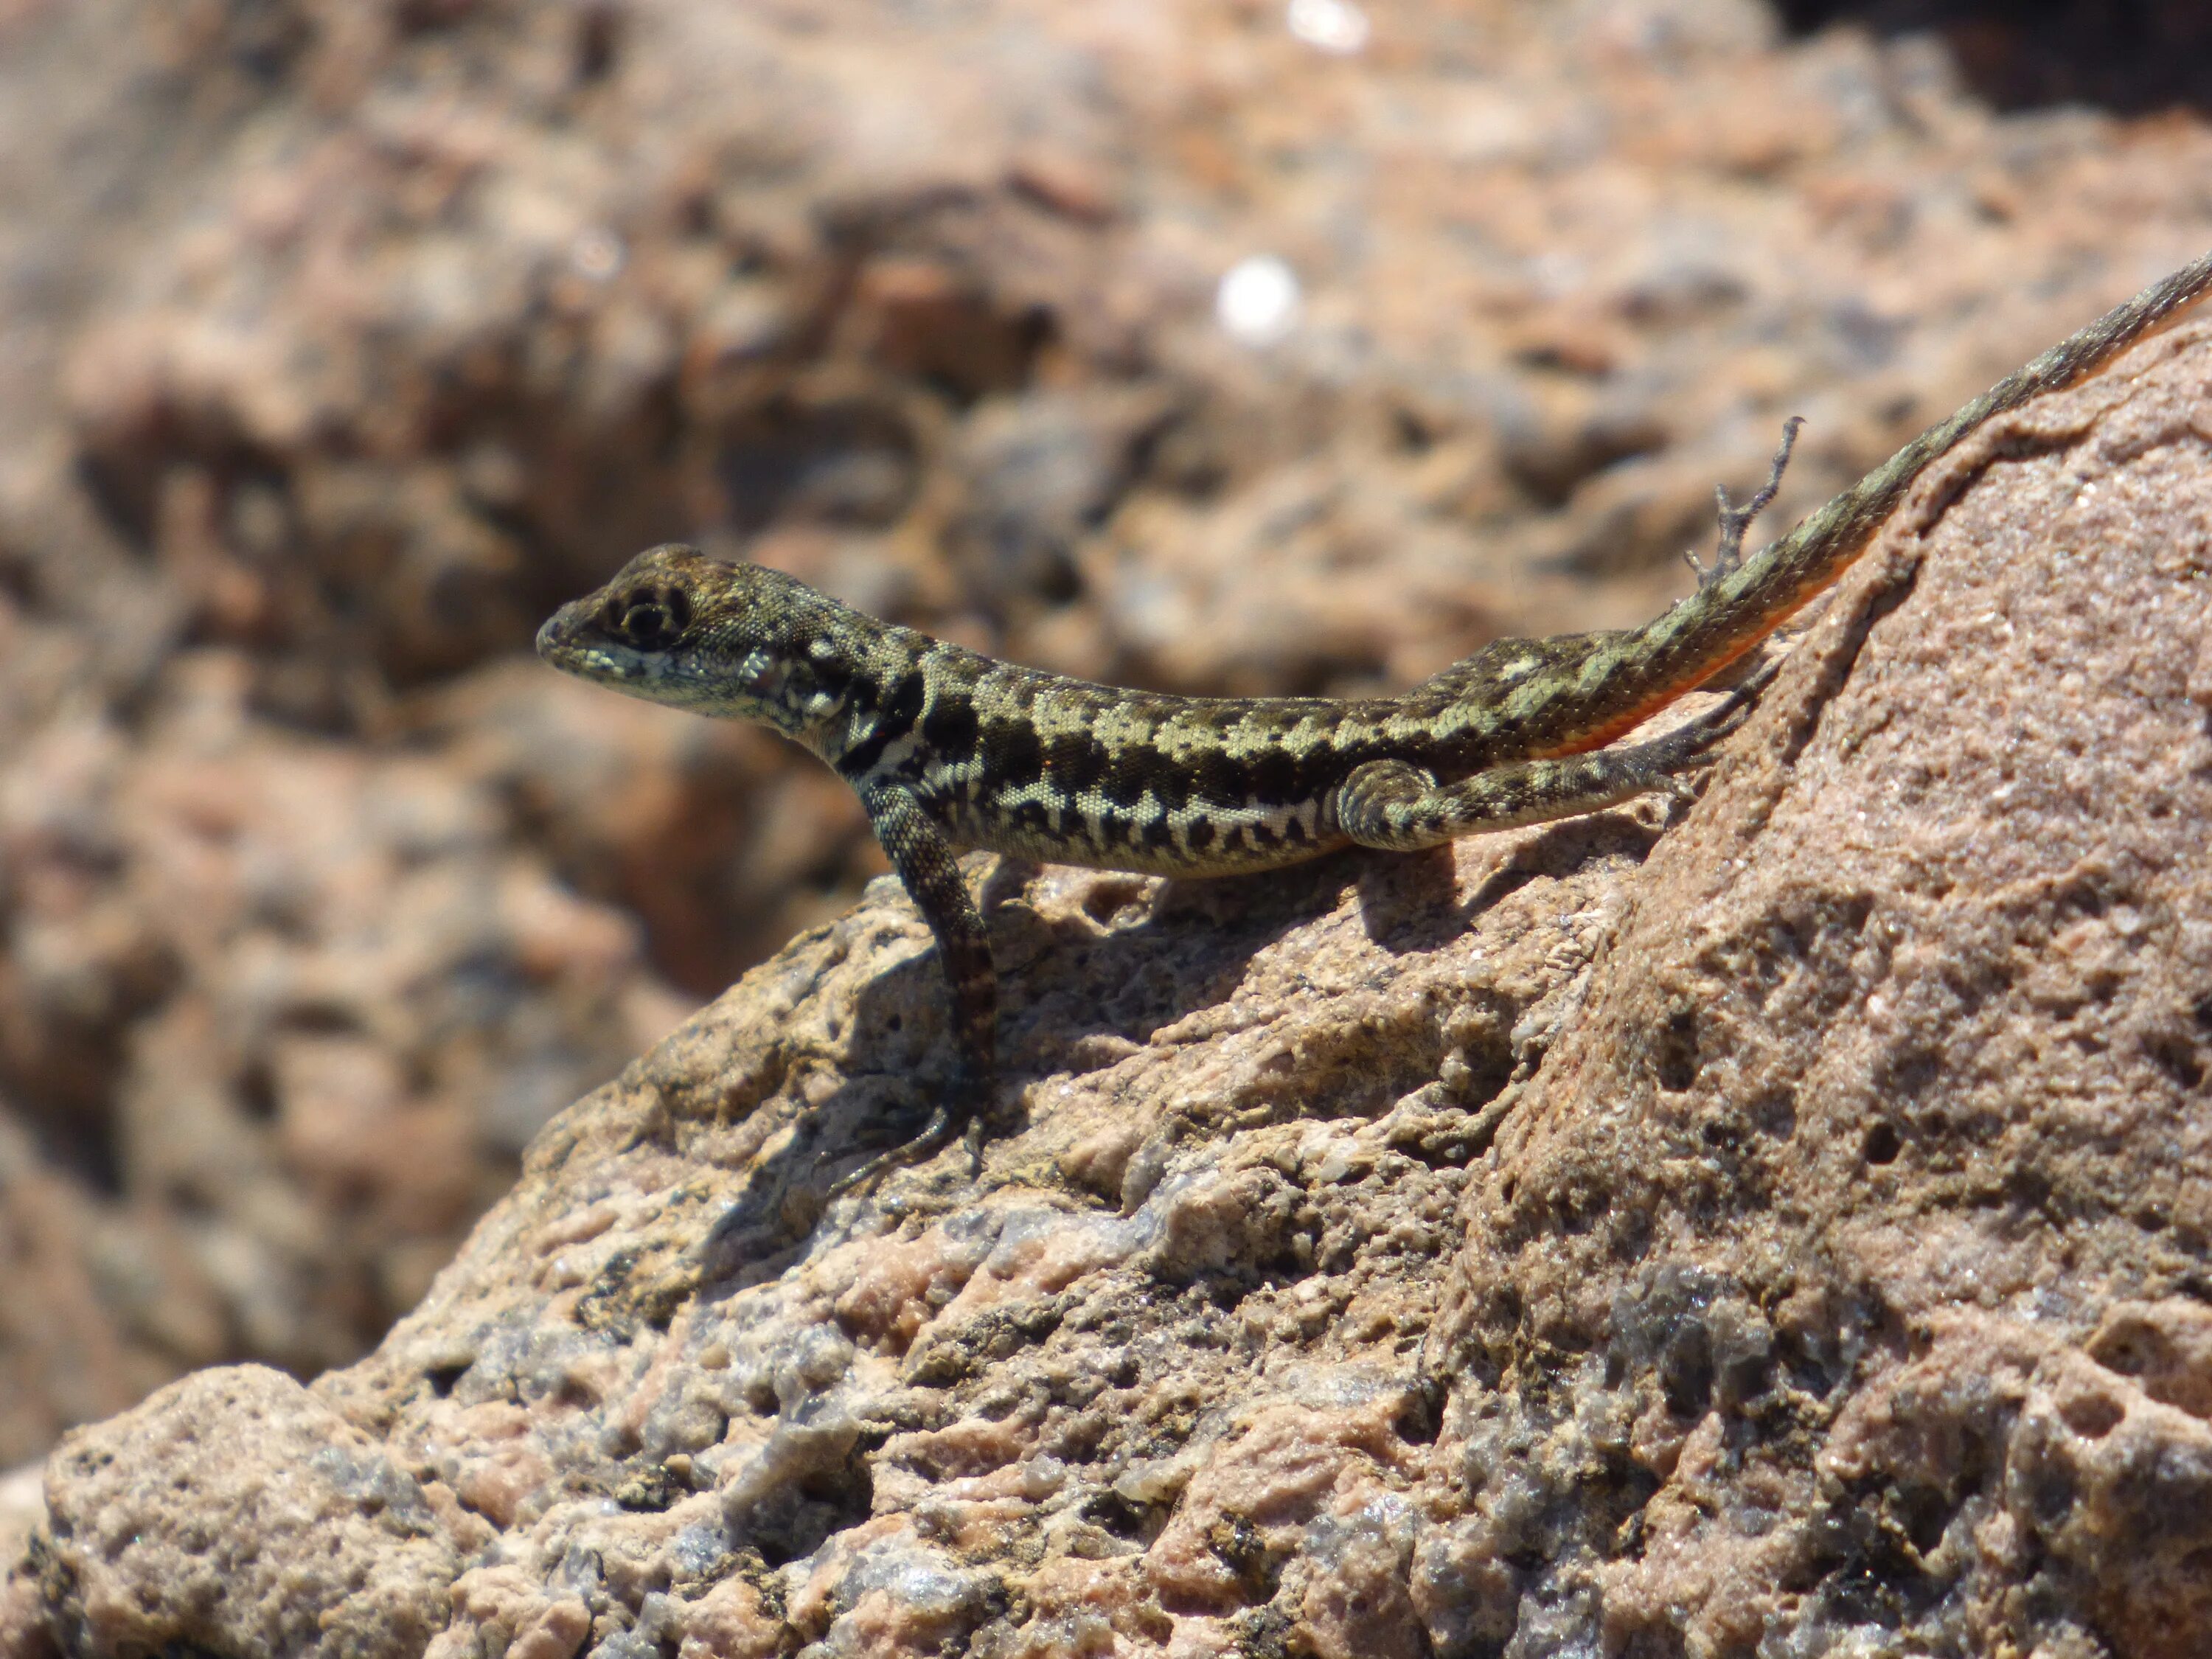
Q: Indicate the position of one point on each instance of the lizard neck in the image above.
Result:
(892, 698)
(818, 678)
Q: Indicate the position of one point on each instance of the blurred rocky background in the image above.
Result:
(1225, 347)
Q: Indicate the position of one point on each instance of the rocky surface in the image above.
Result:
(338, 340)
(1787, 1235)
(1869, 1202)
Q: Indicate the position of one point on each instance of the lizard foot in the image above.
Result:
(1736, 521)
(959, 1115)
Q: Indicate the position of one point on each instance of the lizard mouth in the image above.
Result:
(560, 645)
(551, 644)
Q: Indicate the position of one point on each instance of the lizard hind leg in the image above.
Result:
(1391, 804)
(1398, 807)
(1736, 521)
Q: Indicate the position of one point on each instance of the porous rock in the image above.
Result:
(1867, 1207)
(234, 1512)
(1786, 1234)
(338, 342)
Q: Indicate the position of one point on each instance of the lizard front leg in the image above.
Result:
(925, 864)
(1401, 808)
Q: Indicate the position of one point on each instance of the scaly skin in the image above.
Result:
(950, 750)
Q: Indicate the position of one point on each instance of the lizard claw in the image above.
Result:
(922, 1147)
(959, 1116)
(1736, 521)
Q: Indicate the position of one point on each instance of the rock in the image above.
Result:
(23, 1507)
(297, 1534)
(337, 342)
(322, 1000)
(1865, 1203)
(66, 1356)
(1784, 1233)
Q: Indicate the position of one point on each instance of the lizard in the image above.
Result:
(950, 750)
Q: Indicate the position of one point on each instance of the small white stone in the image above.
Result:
(597, 253)
(1336, 27)
(1257, 303)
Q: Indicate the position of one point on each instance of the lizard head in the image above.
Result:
(674, 626)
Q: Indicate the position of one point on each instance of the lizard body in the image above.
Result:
(948, 748)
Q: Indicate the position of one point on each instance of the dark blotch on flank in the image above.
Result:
(1011, 753)
(1218, 781)
(1076, 762)
(1274, 775)
(1159, 833)
(1030, 815)
(949, 728)
(1199, 835)
(1129, 771)
(902, 709)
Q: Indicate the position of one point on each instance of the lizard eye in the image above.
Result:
(651, 619)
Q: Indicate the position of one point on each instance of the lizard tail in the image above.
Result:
(1651, 666)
